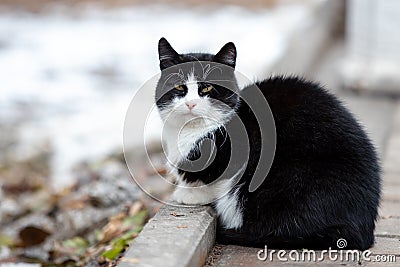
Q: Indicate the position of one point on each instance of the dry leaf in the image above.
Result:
(117, 217)
(130, 260)
(111, 230)
(32, 235)
(135, 208)
(74, 203)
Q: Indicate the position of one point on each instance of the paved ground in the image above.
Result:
(381, 117)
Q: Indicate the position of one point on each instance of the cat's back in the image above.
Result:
(291, 94)
(309, 121)
(300, 103)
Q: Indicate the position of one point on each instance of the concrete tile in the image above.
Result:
(391, 192)
(391, 160)
(378, 262)
(396, 119)
(389, 227)
(386, 245)
(391, 178)
(389, 209)
(241, 256)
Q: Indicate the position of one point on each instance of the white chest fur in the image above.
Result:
(179, 143)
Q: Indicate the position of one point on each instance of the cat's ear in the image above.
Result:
(227, 55)
(167, 55)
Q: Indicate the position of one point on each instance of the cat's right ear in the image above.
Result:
(167, 55)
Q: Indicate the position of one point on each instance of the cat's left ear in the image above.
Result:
(167, 55)
(227, 55)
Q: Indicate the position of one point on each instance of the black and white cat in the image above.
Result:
(324, 182)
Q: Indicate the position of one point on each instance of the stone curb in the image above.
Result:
(175, 236)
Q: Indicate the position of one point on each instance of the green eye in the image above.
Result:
(179, 87)
(207, 89)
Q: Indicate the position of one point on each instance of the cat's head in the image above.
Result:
(196, 88)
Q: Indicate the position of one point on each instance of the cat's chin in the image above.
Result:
(188, 118)
(192, 120)
(185, 122)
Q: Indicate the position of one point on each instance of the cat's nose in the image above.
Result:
(190, 104)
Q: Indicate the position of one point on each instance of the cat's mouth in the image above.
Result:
(191, 112)
(190, 115)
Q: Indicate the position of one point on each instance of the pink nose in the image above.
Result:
(191, 104)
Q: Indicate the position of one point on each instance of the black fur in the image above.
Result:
(324, 183)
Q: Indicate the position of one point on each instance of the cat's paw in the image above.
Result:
(190, 196)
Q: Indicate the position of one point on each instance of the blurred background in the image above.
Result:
(69, 69)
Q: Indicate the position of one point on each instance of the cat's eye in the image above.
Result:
(179, 87)
(207, 89)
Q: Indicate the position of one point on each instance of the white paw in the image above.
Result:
(190, 196)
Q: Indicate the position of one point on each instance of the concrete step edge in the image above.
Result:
(175, 236)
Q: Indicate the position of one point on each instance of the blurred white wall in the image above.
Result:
(373, 45)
